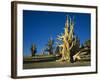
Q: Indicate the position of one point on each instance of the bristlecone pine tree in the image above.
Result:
(49, 46)
(68, 40)
(33, 50)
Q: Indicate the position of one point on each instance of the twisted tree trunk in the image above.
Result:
(67, 40)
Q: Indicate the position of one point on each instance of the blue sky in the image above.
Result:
(39, 26)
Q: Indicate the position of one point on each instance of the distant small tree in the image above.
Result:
(82, 46)
(87, 44)
(43, 51)
(49, 46)
(57, 50)
(33, 50)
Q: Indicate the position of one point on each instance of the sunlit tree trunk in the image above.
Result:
(67, 40)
